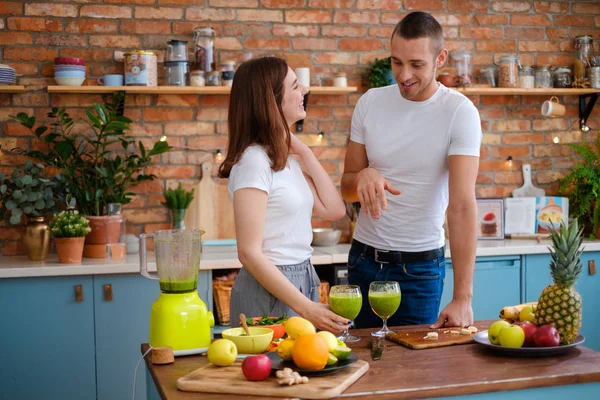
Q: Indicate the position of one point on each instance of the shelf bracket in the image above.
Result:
(586, 109)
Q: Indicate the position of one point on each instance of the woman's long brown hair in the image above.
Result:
(255, 113)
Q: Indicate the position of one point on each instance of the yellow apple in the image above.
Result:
(527, 314)
(495, 329)
(512, 336)
(222, 352)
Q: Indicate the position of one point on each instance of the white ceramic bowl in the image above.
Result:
(326, 236)
(69, 81)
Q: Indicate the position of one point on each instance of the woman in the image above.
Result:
(273, 199)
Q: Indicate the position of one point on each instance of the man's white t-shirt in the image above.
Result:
(288, 232)
(408, 143)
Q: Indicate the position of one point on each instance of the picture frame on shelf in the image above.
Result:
(490, 219)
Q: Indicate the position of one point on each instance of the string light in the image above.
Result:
(163, 138)
(556, 139)
(583, 126)
(320, 137)
(509, 159)
(219, 156)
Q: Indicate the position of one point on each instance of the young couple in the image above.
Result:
(413, 156)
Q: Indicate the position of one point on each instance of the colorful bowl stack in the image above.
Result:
(69, 71)
(7, 75)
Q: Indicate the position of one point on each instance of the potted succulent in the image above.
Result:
(582, 186)
(69, 229)
(177, 201)
(380, 73)
(96, 172)
(30, 193)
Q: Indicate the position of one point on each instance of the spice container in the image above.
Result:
(593, 75)
(141, 68)
(488, 76)
(562, 77)
(340, 80)
(464, 68)
(197, 78)
(509, 72)
(204, 39)
(213, 78)
(526, 78)
(227, 72)
(543, 77)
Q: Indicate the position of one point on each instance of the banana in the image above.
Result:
(512, 312)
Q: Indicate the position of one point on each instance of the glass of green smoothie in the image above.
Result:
(384, 298)
(346, 301)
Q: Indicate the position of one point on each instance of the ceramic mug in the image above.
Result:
(111, 80)
(552, 108)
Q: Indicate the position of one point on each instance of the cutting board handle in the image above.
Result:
(526, 173)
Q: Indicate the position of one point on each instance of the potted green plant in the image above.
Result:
(69, 229)
(177, 201)
(100, 166)
(30, 193)
(582, 186)
(380, 73)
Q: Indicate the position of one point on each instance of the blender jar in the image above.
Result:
(464, 68)
(177, 50)
(204, 39)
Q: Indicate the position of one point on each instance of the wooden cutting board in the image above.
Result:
(417, 341)
(209, 378)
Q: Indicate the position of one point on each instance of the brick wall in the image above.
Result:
(326, 35)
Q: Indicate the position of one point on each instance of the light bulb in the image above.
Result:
(219, 156)
(510, 161)
(556, 139)
(163, 138)
(320, 137)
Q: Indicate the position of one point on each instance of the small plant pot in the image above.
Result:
(69, 250)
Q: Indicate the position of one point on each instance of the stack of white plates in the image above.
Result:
(7, 75)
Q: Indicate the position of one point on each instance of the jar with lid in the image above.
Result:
(197, 78)
(464, 69)
(526, 78)
(340, 80)
(583, 47)
(204, 40)
(488, 76)
(509, 72)
(227, 72)
(213, 78)
(562, 77)
(543, 77)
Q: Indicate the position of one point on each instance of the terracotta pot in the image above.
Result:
(69, 250)
(36, 239)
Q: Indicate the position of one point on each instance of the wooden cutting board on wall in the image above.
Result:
(212, 209)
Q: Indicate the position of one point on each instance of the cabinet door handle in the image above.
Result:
(78, 293)
(108, 295)
(592, 267)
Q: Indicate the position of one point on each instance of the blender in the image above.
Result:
(179, 318)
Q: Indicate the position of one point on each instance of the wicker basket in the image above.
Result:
(222, 297)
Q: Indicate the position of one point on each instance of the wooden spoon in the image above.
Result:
(243, 323)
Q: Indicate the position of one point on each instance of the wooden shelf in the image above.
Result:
(224, 90)
(471, 91)
(12, 89)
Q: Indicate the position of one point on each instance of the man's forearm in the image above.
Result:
(462, 224)
(348, 186)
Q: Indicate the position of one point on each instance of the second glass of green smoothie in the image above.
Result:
(346, 301)
(384, 298)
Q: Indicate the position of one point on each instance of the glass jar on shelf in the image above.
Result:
(464, 68)
(488, 76)
(543, 77)
(213, 78)
(197, 78)
(204, 40)
(562, 77)
(583, 45)
(340, 80)
(526, 78)
(227, 72)
(509, 72)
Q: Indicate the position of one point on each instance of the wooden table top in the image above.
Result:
(403, 373)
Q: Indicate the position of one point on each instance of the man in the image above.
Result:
(413, 155)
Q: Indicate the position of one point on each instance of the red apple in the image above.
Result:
(256, 368)
(529, 330)
(546, 336)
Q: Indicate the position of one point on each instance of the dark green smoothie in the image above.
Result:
(178, 286)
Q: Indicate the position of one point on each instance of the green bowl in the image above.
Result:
(256, 343)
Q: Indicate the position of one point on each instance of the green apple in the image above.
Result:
(495, 329)
(527, 314)
(222, 352)
(512, 336)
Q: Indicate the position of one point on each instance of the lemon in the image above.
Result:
(285, 348)
(330, 339)
(297, 326)
(332, 359)
(341, 352)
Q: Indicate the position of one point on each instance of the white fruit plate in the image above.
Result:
(482, 338)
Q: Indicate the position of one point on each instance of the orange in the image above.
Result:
(310, 352)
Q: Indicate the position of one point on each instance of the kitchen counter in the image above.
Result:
(224, 257)
(403, 373)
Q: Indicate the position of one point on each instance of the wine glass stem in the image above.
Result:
(385, 328)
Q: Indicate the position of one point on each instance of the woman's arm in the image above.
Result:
(249, 207)
(328, 202)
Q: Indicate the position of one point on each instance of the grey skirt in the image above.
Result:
(250, 298)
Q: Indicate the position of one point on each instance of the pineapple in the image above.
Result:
(560, 304)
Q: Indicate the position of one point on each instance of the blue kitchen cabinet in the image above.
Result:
(496, 284)
(47, 338)
(537, 277)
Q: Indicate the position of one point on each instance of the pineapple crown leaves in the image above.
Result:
(566, 250)
(178, 199)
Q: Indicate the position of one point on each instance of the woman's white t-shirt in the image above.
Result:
(288, 232)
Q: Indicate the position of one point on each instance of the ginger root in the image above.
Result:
(288, 377)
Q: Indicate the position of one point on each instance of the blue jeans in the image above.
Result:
(421, 286)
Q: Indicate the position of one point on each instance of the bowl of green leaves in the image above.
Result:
(274, 323)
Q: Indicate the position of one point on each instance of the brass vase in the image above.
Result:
(36, 240)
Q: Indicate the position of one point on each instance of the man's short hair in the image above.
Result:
(419, 24)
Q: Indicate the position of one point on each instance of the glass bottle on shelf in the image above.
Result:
(204, 40)
(509, 72)
(526, 78)
(543, 77)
